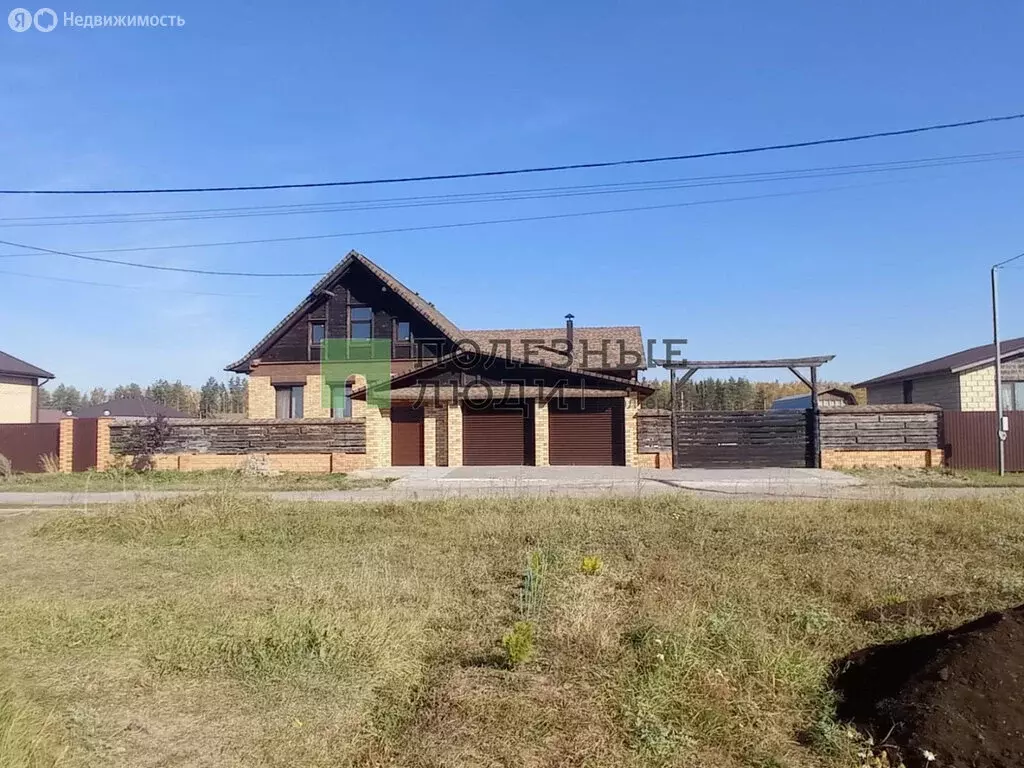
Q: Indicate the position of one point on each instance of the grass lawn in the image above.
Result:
(941, 478)
(219, 479)
(225, 631)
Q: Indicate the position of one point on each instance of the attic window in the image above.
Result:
(316, 333)
(402, 331)
(360, 323)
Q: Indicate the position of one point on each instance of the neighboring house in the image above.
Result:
(827, 398)
(963, 381)
(130, 409)
(450, 405)
(19, 390)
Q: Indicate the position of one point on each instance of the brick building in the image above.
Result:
(963, 381)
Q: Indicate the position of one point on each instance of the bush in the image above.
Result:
(518, 643)
(591, 565)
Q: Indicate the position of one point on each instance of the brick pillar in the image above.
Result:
(378, 435)
(541, 455)
(632, 407)
(102, 444)
(454, 435)
(429, 441)
(66, 450)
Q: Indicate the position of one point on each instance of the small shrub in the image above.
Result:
(49, 464)
(6, 471)
(518, 643)
(591, 565)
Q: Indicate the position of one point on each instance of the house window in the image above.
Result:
(360, 323)
(1013, 395)
(341, 401)
(316, 334)
(289, 401)
(402, 331)
(908, 391)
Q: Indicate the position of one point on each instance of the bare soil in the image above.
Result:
(955, 694)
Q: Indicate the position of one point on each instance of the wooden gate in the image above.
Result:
(743, 439)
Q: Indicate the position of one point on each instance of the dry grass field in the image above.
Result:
(225, 631)
(219, 480)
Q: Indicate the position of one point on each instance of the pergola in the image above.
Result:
(793, 364)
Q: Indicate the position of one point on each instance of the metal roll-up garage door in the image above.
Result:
(589, 431)
(497, 434)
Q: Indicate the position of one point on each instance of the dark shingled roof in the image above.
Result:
(131, 407)
(955, 363)
(12, 366)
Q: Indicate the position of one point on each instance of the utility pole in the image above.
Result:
(1001, 423)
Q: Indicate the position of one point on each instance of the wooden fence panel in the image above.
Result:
(743, 439)
(970, 440)
(26, 444)
(241, 437)
(881, 428)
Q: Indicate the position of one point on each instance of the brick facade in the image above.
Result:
(632, 406)
(261, 402)
(66, 449)
(541, 444)
(429, 441)
(919, 459)
(454, 435)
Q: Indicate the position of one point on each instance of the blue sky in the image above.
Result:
(886, 272)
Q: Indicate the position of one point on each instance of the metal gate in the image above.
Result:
(83, 443)
(743, 439)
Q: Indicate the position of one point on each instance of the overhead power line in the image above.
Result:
(121, 286)
(529, 170)
(86, 255)
(509, 195)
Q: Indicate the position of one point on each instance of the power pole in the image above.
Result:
(1001, 423)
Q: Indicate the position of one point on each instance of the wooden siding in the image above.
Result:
(238, 437)
(867, 428)
(653, 430)
(357, 287)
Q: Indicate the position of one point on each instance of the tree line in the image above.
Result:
(732, 394)
(214, 397)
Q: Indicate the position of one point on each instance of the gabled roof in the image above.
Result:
(12, 366)
(617, 341)
(421, 305)
(130, 407)
(955, 363)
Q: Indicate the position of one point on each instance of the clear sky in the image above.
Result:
(883, 270)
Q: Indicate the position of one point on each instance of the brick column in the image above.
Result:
(102, 444)
(66, 449)
(454, 435)
(632, 406)
(541, 456)
(429, 441)
(378, 436)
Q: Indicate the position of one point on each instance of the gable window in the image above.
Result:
(288, 400)
(317, 332)
(1013, 395)
(360, 323)
(908, 391)
(341, 400)
(403, 332)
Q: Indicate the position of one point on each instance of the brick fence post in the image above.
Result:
(103, 444)
(66, 445)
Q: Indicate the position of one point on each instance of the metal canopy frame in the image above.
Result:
(793, 364)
